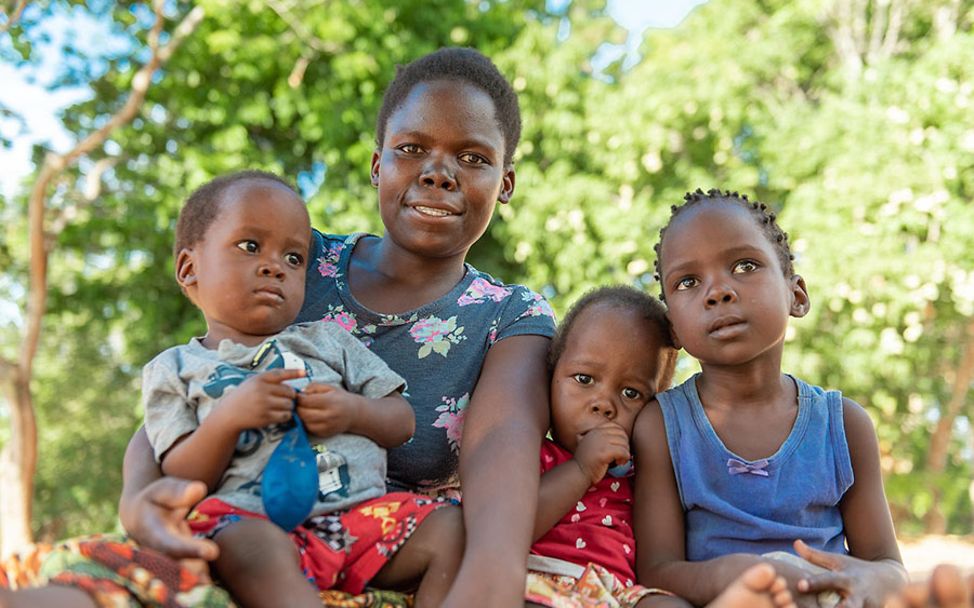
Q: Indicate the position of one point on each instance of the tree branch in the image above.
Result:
(14, 17)
(54, 164)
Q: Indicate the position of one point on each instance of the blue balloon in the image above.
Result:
(289, 485)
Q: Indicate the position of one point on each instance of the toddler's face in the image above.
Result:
(247, 274)
(607, 371)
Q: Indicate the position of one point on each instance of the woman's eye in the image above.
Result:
(745, 266)
(583, 378)
(249, 246)
(473, 159)
(294, 259)
(686, 283)
(631, 393)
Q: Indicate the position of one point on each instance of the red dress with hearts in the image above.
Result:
(598, 529)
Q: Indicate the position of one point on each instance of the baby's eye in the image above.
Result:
(631, 393)
(583, 378)
(294, 259)
(745, 266)
(249, 246)
(686, 283)
(473, 159)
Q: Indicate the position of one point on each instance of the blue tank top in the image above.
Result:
(733, 505)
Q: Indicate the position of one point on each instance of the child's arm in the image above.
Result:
(329, 410)
(259, 401)
(659, 527)
(874, 568)
(564, 485)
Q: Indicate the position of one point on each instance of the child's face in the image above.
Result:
(440, 170)
(607, 371)
(728, 298)
(247, 273)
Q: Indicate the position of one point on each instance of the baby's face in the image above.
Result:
(247, 274)
(607, 371)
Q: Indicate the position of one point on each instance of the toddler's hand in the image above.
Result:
(261, 400)
(600, 448)
(327, 410)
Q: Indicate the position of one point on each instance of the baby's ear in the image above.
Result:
(800, 304)
(673, 337)
(185, 268)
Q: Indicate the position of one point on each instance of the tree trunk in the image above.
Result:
(17, 464)
(934, 520)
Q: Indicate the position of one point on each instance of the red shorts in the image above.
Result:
(340, 550)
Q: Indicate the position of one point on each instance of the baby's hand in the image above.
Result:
(261, 400)
(600, 448)
(327, 410)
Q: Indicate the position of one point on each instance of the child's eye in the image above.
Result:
(294, 259)
(410, 148)
(631, 393)
(583, 378)
(686, 283)
(473, 159)
(249, 246)
(745, 266)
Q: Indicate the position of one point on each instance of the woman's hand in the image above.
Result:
(156, 518)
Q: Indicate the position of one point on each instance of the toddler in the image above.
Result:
(607, 360)
(218, 407)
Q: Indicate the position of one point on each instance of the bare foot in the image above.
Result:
(945, 589)
(42, 597)
(758, 587)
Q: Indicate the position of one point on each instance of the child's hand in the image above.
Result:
(327, 410)
(600, 448)
(261, 400)
(859, 582)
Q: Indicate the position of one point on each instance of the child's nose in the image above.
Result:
(721, 292)
(604, 407)
(271, 268)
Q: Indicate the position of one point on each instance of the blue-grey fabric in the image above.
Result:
(733, 505)
(438, 348)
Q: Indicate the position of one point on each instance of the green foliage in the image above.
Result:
(868, 158)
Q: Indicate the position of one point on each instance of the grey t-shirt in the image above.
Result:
(181, 386)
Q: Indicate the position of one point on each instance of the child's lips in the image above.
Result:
(726, 327)
(274, 294)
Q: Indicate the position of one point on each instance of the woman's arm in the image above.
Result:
(152, 508)
(875, 568)
(503, 426)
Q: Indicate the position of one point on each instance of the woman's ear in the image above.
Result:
(185, 268)
(374, 169)
(507, 185)
(800, 303)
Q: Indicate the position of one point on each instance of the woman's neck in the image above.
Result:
(388, 279)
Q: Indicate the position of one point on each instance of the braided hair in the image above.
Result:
(762, 214)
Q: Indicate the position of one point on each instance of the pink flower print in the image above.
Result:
(342, 318)
(451, 419)
(538, 306)
(328, 263)
(436, 335)
(481, 290)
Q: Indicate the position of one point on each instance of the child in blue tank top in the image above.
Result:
(742, 463)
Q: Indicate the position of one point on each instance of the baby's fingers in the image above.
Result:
(277, 376)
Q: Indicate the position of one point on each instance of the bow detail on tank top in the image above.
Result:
(737, 467)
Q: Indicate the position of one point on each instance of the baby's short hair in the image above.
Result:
(465, 65)
(203, 205)
(626, 298)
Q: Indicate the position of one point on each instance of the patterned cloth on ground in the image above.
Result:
(595, 588)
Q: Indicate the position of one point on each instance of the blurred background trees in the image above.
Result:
(854, 119)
